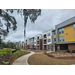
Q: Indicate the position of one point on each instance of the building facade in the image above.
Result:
(38, 41)
(65, 35)
(47, 40)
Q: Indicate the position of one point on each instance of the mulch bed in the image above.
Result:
(67, 57)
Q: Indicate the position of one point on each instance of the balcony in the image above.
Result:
(44, 36)
(37, 38)
(37, 42)
(44, 41)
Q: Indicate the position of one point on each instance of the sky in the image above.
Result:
(47, 20)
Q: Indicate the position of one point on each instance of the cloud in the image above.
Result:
(48, 19)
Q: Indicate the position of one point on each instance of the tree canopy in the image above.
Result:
(11, 22)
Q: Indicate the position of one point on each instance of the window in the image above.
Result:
(48, 34)
(37, 38)
(62, 30)
(54, 39)
(54, 33)
(45, 36)
(64, 47)
(59, 31)
(49, 40)
(74, 27)
(62, 39)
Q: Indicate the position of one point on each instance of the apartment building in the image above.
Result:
(64, 35)
(54, 40)
(22, 45)
(38, 41)
(27, 43)
(47, 40)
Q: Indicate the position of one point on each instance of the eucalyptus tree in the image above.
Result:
(10, 21)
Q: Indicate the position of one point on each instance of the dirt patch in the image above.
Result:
(42, 59)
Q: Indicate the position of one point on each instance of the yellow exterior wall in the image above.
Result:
(70, 33)
(54, 36)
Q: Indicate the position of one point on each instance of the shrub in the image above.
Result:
(24, 48)
(18, 48)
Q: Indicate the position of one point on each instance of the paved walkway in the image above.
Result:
(23, 60)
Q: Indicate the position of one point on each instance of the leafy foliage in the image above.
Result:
(10, 22)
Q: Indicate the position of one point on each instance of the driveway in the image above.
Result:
(23, 60)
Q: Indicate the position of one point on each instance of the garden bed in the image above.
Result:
(61, 55)
(11, 57)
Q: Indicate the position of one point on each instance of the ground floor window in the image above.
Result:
(64, 47)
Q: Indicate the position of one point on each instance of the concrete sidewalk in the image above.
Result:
(23, 60)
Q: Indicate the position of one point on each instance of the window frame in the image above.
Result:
(62, 38)
(54, 33)
(48, 40)
(54, 39)
(62, 30)
(48, 34)
(74, 27)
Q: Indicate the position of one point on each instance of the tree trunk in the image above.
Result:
(0, 41)
(25, 31)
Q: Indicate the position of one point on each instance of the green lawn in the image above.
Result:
(13, 49)
(2, 51)
(5, 50)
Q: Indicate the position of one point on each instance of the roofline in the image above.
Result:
(64, 21)
(37, 34)
(47, 30)
(53, 30)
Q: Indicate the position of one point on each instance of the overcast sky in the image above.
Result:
(48, 19)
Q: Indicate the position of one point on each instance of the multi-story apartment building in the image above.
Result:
(22, 45)
(27, 43)
(47, 40)
(39, 41)
(65, 35)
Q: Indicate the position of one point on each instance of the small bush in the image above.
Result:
(18, 48)
(24, 48)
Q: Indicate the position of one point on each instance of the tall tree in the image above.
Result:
(10, 22)
(32, 14)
